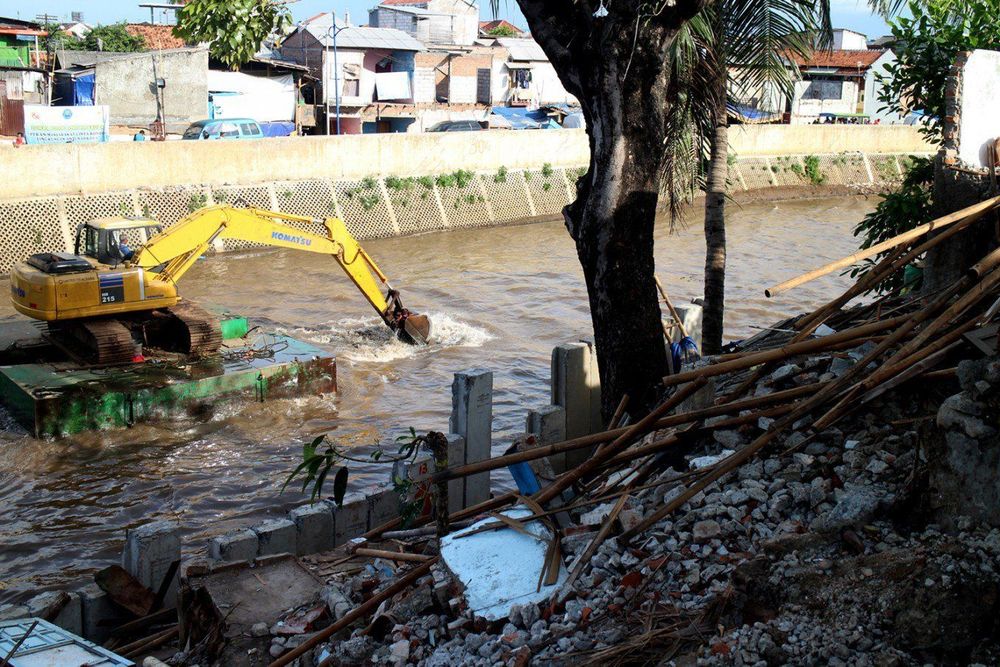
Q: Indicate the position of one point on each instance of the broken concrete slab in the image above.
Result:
(248, 594)
(99, 614)
(500, 568)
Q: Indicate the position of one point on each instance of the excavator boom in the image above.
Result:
(170, 254)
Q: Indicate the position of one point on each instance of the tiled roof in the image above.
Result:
(156, 36)
(487, 26)
(840, 59)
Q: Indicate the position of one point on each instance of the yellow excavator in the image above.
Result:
(106, 303)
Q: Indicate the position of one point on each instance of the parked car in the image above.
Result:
(224, 128)
(456, 126)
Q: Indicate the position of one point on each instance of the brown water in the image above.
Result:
(499, 298)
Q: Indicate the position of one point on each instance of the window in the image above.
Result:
(351, 88)
(246, 128)
(229, 130)
(824, 89)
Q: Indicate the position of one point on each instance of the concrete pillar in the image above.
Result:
(548, 425)
(691, 315)
(472, 419)
(456, 487)
(383, 505)
(576, 388)
(350, 519)
(148, 553)
(99, 615)
(238, 545)
(313, 528)
(275, 536)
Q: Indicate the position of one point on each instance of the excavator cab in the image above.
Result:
(110, 240)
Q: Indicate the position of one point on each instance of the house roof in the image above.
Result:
(523, 48)
(357, 37)
(68, 58)
(487, 26)
(156, 36)
(840, 59)
(398, 3)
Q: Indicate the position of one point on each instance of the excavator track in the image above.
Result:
(196, 331)
(100, 342)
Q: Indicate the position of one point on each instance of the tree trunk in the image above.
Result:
(614, 60)
(715, 235)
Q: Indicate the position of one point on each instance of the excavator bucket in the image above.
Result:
(416, 330)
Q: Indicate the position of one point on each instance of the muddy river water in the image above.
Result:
(500, 299)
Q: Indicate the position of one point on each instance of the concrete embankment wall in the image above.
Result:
(369, 179)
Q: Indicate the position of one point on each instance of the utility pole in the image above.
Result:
(336, 73)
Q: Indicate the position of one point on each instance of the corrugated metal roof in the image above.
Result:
(356, 37)
(523, 49)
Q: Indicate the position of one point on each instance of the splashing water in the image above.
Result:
(368, 339)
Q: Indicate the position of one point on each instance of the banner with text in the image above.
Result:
(66, 125)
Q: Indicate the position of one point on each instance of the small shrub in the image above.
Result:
(547, 170)
(813, 172)
(501, 175)
(369, 183)
(426, 181)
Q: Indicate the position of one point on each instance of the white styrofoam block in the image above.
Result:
(482, 562)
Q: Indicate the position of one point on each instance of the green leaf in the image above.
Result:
(340, 486)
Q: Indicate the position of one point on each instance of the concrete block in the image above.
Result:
(313, 528)
(691, 315)
(238, 545)
(99, 615)
(576, 388)
(12, 612)
(351, 519)
(699, 400)
(383, 505)
(70, 616)
(472, 418)
(148, 553)
(548, 425)
(456, 487)
(275, 536)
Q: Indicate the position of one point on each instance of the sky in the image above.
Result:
(853, 14)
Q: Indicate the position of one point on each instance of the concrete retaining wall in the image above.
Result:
(433, 198)
(94, 168)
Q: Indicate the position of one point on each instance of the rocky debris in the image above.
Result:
(818, 551)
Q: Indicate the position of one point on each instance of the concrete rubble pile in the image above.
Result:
(824, 493)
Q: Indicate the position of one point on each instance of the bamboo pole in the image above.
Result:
(578, 443)
(879, 248)
(391, 555)
(670, 306)
(790, 350)
(355, 614)
(148, 643)
(644, 426)
(598, 540)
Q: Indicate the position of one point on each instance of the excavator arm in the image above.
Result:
(171, 253)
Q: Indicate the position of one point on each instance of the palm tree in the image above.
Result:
(734, 49)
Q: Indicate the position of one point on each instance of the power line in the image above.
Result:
(46, 18)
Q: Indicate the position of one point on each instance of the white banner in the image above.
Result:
(66, 125)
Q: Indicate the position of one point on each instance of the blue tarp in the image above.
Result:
(277, 128)
(748, 114)
(83, 91)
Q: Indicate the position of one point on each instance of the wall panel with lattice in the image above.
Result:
(548, 190)
(29, 226)
(852, 168)
(506, 194)
(364, 209)
(170, 205)
(414, 204)
(885, 169)
(756, 172)
(81, 209)
(312, 198)
(463, 201)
